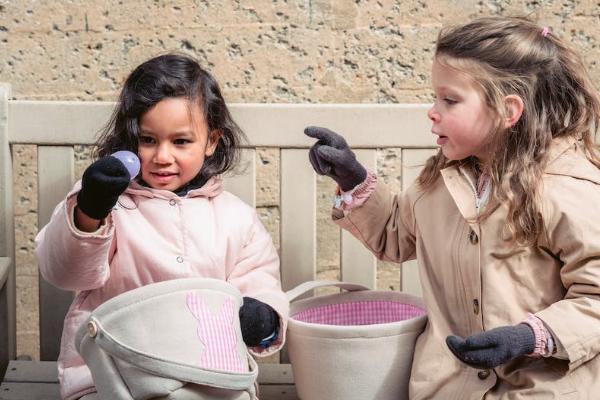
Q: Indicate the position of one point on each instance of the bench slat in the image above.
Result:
(393, 125)
(29, 391)
(358, 265)
(298, 219)
(275, 374)
(278, 392)
(55, 179)
(7, 236)
(46, 372)
(51, 391)
(275, 379)
(412, 164)
(31, 371)
(244, 185)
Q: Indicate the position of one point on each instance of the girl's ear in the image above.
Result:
(514, 109)
(213, 141)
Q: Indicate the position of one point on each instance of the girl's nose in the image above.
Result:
(433, 115)
(162, 155)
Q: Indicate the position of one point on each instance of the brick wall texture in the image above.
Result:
(273, 51)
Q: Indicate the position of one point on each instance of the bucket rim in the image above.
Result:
(408, 326)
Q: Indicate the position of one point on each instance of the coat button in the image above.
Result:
(179, 259)
(483, 374)
(172, 202)
(473, 238)
(476, 306)
(92, 329)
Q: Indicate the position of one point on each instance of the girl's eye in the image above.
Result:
(181, 141)
(450, 101)
(146, 140)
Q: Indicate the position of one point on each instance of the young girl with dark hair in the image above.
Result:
(112, 234)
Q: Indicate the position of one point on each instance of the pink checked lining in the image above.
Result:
(360, 313)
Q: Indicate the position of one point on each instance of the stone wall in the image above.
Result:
(276, 51)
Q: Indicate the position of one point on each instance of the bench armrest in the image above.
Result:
(5, 264)
(4, 270)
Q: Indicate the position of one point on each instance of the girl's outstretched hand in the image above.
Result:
(332, 156)
(101, 185)
(258, 321)
(494, 347)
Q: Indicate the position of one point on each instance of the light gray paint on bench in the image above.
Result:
(55, 179)
(51, 124)
(267, 125)
(7, 246)
(27, 380)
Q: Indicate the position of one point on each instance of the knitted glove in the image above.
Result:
(494, 347)
(101, 185)
(331, 156)
(257, 320)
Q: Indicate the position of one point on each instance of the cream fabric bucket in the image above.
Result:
(355, 345)
(178, 340)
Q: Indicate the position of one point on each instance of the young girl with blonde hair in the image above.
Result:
(503, 220)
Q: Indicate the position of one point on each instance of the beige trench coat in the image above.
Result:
(474, 280)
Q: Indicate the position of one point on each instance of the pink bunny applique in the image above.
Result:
(217, 334)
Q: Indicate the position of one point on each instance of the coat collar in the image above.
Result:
(565, 158)
(212, 188)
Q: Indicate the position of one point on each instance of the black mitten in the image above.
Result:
(102, 183)
(257, 320)
(494, 347)
(332, 156)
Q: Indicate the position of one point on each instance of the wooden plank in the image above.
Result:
(243, 184)
(278, 392)
(298, 218)
(275, 374)
(29, 391)
(57, 122)
(358, 265)
(412, 164)
(5, 269)
(32, 371)
(51, 391)
(7, 238)
(55, 179)
(276, 381)
(363, 125)
(46, 371)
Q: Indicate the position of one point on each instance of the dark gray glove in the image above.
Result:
(331, 156)
(257, 321)
(101, 185)
(494, 347)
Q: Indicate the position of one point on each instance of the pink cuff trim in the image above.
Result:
(541, 336)
(358, 195)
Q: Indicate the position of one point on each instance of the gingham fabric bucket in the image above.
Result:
(357, 344)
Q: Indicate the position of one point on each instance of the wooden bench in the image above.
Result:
(56, 126)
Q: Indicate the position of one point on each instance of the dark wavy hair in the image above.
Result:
(166, 76)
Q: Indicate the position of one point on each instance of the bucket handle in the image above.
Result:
(305, 287)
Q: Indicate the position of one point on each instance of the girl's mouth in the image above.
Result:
(163, 176)
(442, 140)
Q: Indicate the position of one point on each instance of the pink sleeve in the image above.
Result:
(69, 258)
(542, 336)
(256, 275)
(358, 195)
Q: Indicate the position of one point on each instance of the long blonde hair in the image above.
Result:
(510, 55)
